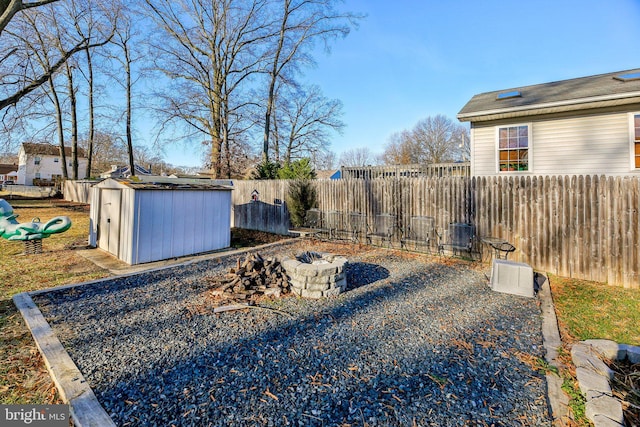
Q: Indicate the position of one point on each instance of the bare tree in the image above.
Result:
(434, 139)
(34, 30)
(302, 23)
(17, 78)
(9, 8)
(361, 156)
(306, 121)
(325, 160)
(42, 42)
(208, 49)
(108, 149)
(125, 41)
(400, 149)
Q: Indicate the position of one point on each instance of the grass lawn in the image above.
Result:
(585, 309)
(23, 376)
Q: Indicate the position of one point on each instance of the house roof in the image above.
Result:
(124, 170)
(49, 149)
(326, 174)
(5, 169)
(599, 91)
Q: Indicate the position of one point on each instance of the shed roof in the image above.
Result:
(602, 90)
(140, 185)
(49, 149)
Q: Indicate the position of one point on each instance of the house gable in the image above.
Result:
(577, 126)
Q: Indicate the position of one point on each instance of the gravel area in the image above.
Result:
(415, 341)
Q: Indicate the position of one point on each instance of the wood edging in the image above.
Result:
(558, 400)
(83, 405)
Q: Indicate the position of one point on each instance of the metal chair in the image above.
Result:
(334, 222)
(358, 227)
(313, 221)
(461, 238)
(420, 233)
(384, 229)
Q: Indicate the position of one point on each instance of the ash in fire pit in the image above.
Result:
(316, 274)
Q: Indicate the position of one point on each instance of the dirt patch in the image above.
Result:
(242, 238)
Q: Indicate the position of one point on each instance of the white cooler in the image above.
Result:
(512, 278)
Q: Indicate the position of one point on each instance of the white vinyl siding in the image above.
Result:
(484, 151)
(597, 144)
(585, 145)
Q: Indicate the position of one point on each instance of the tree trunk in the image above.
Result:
(74, 124)
(60, 126)
(91, 116)
(272, 84)
(129, 113)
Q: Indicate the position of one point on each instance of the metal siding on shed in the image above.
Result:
(181, 235)
(127, 225)
(94, 216)
(156, 208)
(145, 227)
(176, 223)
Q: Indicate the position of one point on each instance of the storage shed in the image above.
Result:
(150, 221)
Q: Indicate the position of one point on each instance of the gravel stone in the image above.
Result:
(413, 341)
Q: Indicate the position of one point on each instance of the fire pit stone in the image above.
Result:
(316, 275)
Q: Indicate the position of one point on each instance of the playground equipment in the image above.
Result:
(32, 232)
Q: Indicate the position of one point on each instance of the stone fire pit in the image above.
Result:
(316, 274)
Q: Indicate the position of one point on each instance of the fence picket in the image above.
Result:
(585, 227)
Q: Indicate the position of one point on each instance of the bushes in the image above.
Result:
(301, 197)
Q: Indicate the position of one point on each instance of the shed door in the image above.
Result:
(109, 239)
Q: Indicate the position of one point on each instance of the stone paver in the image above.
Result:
(594, 378)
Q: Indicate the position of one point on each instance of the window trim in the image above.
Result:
(529, 148)
(632, 141)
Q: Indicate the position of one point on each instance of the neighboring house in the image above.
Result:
(588, 125)
(43, 161)
(328, 174)
(8, 173)
(124, 171)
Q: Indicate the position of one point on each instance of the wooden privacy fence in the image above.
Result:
(78, 191)
(584, 227)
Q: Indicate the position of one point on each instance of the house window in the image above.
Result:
(37, 175)
(37, 160)
(636, 140)
(513, 148)
(55, 160)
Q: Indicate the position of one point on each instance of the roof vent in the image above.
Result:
(507, 95)
(627, 77)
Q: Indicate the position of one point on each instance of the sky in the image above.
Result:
(409, 60)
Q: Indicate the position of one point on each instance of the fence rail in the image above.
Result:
(584, 227)
(422, 170)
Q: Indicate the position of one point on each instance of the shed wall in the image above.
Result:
(584, 145)
(171, 224)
